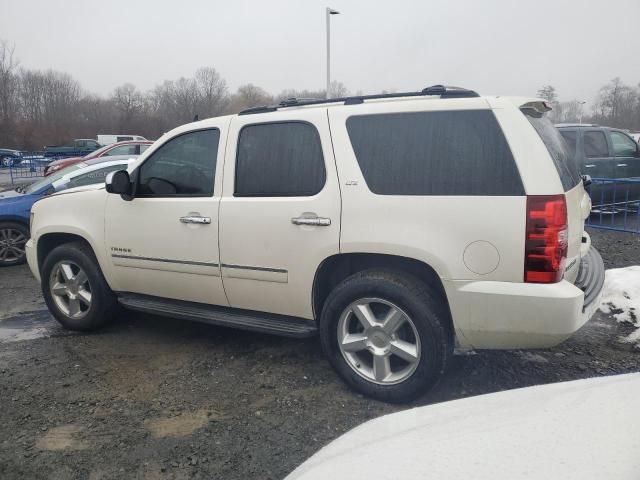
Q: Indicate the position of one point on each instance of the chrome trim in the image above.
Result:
(314, 221)
(621, 165)
(260, 269)
(166, 260)
(196, 219)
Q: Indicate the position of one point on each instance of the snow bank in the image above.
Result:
(621, 296)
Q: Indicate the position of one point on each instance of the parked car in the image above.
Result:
(109, 139)
(81, 146)
(604, 152)
(132, 148)
(635, 136)
(9, 158)
(394, 226)
(15, 205)
(541, 432)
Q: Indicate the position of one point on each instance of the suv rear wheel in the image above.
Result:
(386, 334)
(74, 288)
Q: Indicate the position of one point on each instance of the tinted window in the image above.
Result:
(93, 177)
(571, 139)
(434, 153)
(623, 146)
(185, 165)
(595, 144)
(279, 159)
(560, 152)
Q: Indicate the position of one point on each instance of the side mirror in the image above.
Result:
(586, 180)
(119, 182)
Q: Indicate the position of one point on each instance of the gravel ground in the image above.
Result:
(151, 397)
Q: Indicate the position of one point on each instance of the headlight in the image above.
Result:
(31, 220)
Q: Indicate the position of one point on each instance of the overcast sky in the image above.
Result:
(492, 46)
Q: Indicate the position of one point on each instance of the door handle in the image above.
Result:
(622, 165)
(591, 165)
(196, 220)
(315, 221)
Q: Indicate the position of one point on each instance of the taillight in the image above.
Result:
(545, 249)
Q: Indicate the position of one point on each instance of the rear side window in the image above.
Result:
(595, 144)
(279, 160)
(560, 152)
(434, 153)
(571, 138)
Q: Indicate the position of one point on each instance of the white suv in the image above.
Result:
(398, 227)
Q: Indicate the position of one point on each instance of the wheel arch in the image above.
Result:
(337, 267)
(48, 241)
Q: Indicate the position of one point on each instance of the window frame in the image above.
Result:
(135, 176)
(279, 122)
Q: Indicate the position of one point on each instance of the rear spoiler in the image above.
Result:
(537, 107)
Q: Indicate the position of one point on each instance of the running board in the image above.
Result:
(222, 316)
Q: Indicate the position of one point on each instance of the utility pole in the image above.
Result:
(329, 12)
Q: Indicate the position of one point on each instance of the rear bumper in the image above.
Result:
(505, 315)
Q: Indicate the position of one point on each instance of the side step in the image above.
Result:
(222, 316)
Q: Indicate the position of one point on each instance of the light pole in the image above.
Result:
(330, 11)
(581, 103)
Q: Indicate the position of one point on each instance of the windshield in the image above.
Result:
(98, 152)
(34, 187)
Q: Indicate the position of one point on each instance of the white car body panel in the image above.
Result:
(583, 430)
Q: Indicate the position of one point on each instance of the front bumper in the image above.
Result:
(506, 315)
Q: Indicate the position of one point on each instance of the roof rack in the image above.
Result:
(440, 90)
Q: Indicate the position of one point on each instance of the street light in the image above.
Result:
(581, 103)
(330, 11)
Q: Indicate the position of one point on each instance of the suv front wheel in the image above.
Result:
(74, 288)
(386, 333)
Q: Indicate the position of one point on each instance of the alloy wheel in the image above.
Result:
(70, 289)
(12, 242)
(379, 341)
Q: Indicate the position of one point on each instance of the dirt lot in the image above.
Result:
(159, 398)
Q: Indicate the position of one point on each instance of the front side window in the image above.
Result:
(184, 166)
(623, 146)
(434, 153)
(279, 160)
(595, 144)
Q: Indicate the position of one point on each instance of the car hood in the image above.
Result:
(10, 194)
(83, 188)
(586, 429)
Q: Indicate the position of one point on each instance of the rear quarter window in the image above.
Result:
(434, 153)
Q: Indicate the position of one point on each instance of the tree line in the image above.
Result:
(39, 108)
(616, 105)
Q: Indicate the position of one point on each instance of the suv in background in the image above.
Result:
(396, 226)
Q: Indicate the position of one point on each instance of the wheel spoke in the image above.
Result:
(81, 278)
(85, 296)
(365, 315)
(74, 306)
(67, 273)
(354, 342)
(3, 253)
(59, 289)
(393, 321)
(381, 367)
(17, 251)
(19, 238)
(405, 350)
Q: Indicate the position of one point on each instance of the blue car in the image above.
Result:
(15, 205)
(9, 158)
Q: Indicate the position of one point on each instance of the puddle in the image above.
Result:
(29, 326)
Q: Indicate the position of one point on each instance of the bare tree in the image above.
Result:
(249, 96)
(213, 92)
(129, 101)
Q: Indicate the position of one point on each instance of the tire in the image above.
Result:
(62, 270)
(425, 324)
(13, 237)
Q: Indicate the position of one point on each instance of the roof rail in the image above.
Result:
(440, 90)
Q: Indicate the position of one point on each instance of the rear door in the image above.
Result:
(280, 210)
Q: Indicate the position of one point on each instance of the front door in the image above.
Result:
(280, 210)
(164, 242)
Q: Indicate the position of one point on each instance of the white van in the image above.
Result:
(109, 139)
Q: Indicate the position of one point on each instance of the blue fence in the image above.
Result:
(615, 204)
(33, 164)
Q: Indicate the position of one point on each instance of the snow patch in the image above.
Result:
(621, 297)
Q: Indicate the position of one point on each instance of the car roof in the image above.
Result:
(99, 160)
